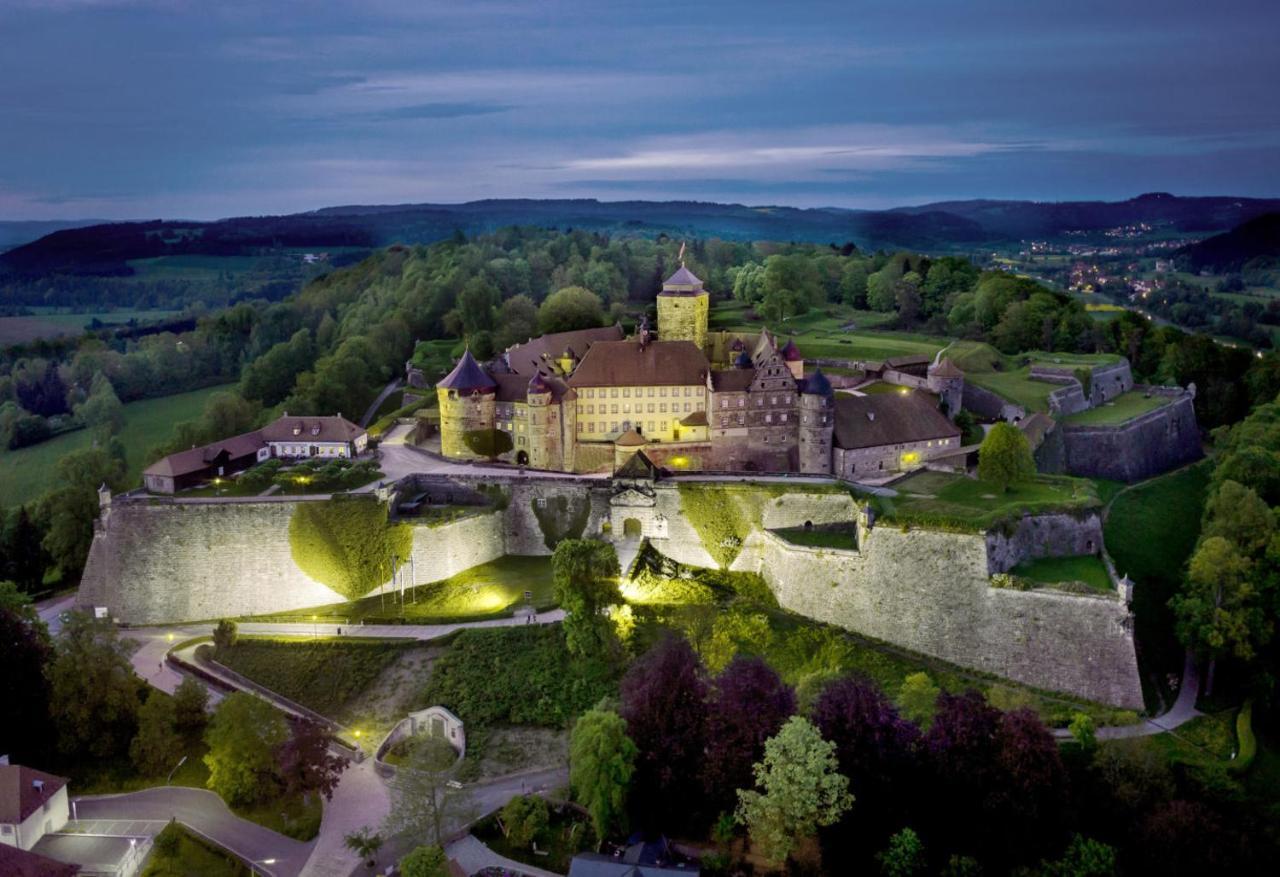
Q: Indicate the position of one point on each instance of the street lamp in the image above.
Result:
(253, 866)
(173, 807)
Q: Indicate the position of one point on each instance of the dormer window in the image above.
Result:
(297, 430)
(315, 430)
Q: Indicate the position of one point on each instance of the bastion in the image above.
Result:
(156, 561)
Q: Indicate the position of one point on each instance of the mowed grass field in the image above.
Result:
(1124, 407)
(954, 500)
(1150, 532)
(820, 333)
(28, 472)
(490, 590)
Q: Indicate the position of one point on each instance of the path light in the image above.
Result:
(170, 637)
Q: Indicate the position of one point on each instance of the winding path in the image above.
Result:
(395, 384)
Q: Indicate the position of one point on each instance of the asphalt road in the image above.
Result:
(206, 813)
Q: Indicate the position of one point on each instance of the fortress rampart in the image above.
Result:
(163, 561)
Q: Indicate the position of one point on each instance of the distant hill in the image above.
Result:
(15, 234)
(1019, 220)
(1252, 245)
(105, 250)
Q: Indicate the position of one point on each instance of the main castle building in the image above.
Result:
(586, 401)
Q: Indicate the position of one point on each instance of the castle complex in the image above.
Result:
(691, 399)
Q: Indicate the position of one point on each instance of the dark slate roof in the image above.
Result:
(628, 363)
(467, 376)
(889, 419)
(537, 384)
(526, 358)
(681, 279)
(19, 796)
(596, 865)
(20, 863)
(733, 381)
(791, 353)
(196, 459)
(516, 388)
(817, 384)
(946, 369)
(335, 428)
(638, 465)
(743, 360)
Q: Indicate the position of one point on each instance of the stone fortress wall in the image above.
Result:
(168, 561)
(1148, 445)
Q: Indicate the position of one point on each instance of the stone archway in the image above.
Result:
(632, 528)
(522, 458)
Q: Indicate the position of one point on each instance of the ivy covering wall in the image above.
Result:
(723, 516)
(562, 517)
(347, 543)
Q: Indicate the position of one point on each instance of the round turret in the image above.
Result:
(743, 360)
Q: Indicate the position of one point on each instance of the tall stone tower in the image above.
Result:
(947, 381)
(683, 306)
(817, 423)
(466, 396)
(544, 436)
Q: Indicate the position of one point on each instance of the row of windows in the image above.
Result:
(661, 408)
(661, 426)
(612, 392)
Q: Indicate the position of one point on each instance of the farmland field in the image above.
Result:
(28, 472)
(18, 330)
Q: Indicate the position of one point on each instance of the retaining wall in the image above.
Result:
(1148, 445)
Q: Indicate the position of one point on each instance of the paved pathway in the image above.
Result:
(1182, 711)
(360, 799)
(473, 856)
(206, 813)
(50, 611)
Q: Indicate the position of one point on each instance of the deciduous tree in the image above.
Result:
(243, 738)
(749, 703)
(305, 763)
(570, 308)
(427, 860)
(798, 789)
(191, 705)
(94, 699)
(664, 695)
(156, 747)
(1004, 459)
(526, 820)
(601, 764)
(585, 573)
(25, 654)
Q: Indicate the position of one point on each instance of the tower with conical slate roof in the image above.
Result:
(945, 379)
(817, 423)
(466, 397)
(683, 306)
(544, 436)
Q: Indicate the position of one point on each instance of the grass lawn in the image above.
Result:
(880, 387)
(1016, 386)
(490, 590)
(567, 834)
(820, 333)
(1122, 408)
(28, 472)
(1010, 376)
(325, 675)
(844, 537)
(190, 857)
(1150, 532)
(956, 501)
(1085, 568)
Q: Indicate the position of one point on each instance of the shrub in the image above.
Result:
(1247, 742)
(526, 820)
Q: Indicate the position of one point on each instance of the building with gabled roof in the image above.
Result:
(32, 804)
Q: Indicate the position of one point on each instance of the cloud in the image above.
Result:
(441, 110)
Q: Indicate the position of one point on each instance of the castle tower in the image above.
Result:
(683, 306)
(544, 436)
(466, 397)
(947, 381)
(817, 423)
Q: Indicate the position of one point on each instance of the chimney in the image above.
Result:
(38, 785)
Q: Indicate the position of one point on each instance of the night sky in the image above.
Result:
(118, 109)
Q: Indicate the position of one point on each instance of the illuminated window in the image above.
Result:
(626, 392)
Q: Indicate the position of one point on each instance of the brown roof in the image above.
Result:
(697, 418)
(21, 863)
(638, 465)
(630, 439)
(317, 429)
(902, 361)
(628, 364)
(733, 381)
(1035, 428)
(195, 459)
(524, 359)
(889, 419)
(947, 369)
(515, 388)
(19, 795)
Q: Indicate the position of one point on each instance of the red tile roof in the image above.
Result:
(317, 429)
(630, 364)
(195, 459)
(19, 794)
(20, 863)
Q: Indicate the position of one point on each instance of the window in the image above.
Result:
(613, 426)
(664, 426)
(724, 422)
(651, 426)
(591, 427)
(773, 400)
(580, 428)
(626, 407)
(651, 392)
(768, 418)
(613, 393)
(662, 391)
(615, 408)
(591, 409)
(782, 417)
(686, 407)
(742, 401)
(626, 393)
(664, 407)
(724, 403)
